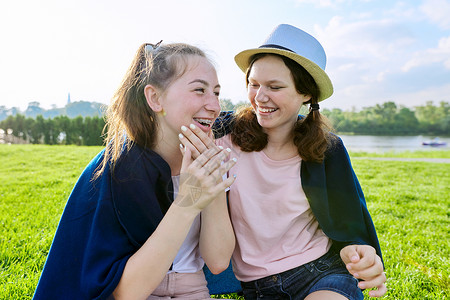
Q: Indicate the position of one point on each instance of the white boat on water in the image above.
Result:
(434, 142)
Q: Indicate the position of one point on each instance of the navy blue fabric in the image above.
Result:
(337, 201)
(103, 224)
(223, 283)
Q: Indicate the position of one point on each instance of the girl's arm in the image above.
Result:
(147, 267)
(217, 239)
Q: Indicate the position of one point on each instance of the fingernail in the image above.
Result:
(220, 147)
(228, 149)
(192, 126)
(184, 128)
(355, 275)
(180, 136)
(234, 159)
(234, 175)
(181, 146)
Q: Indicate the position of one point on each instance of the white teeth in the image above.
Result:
(267, 110)
(204, 121)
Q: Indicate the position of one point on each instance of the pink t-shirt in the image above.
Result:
(273, 222)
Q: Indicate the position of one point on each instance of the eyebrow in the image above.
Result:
(272, 81)
(203, 82)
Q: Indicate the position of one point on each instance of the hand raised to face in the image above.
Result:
(202, 170)
(196, 140)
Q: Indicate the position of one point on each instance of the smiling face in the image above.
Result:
(272, 93)
(193, 98)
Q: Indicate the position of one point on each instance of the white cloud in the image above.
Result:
(433, 93)
(323, 3)
(440, 54)
(378, 39)
(438, 11)
(363, 56)
(403, 10)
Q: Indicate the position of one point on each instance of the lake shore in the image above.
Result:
(408, 159)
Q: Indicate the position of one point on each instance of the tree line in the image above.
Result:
(60, 130)
(384, 119)
(381, 119)
(390, 119)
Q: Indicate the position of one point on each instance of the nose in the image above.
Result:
(261, 95)
(212, 104)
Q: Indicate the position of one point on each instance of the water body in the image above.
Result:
(370, 143)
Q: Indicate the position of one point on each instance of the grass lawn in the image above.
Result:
(408, 201)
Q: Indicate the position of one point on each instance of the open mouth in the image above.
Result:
(204, 122)
(267, 110)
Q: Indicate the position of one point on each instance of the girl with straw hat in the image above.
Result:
(301, 222)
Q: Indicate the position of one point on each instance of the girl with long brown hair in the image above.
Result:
(143, 218)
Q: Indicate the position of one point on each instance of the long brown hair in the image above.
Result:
(129, 119)
(311, 134)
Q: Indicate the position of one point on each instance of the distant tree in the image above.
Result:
(37, 129)
(406, 119)
(226, 105)
(65, 126)
(432, 118)
(92, 134)
(51, 132)
(386, 119)
(444, 121)
(21, 127)
(389, 119)
(9, 123)
(77, 130)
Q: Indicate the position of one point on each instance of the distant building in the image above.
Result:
(68, 99)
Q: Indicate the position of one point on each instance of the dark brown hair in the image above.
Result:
(311, 134)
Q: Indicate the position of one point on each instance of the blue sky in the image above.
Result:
(377, 50)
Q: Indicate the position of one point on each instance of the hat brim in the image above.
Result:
(320, 77)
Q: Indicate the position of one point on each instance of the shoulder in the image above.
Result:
(223, 124)
(140, 192)
(336, 148)
(139, 161)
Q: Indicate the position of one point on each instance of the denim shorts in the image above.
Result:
(325, 273)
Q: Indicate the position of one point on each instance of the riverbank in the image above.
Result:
(380, 144)
(432, 160)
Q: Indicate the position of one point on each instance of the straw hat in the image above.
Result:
(294, 43)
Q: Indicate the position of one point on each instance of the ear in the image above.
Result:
(306, 99)
(152, 97)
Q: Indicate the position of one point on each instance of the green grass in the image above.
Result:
(409, 203)
(35, 182)
(405, 154)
